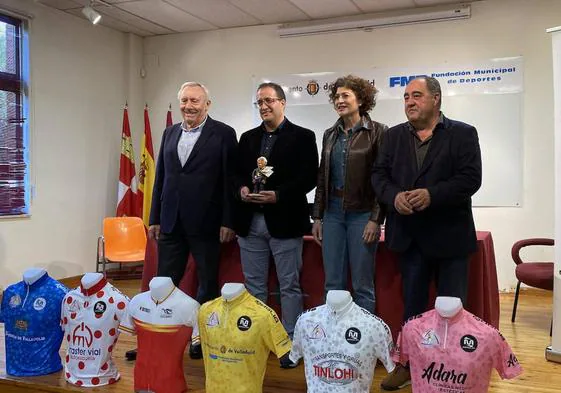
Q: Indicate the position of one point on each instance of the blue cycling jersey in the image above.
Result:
(31, 316)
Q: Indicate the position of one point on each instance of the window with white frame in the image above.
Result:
(14, 164)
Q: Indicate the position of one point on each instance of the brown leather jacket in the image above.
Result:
(358, 193)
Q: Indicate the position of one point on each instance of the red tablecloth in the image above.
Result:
(483, 293)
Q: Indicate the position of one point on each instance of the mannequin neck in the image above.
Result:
(30, 276)
(161, 288)
(448, 307)
(339, 301)
(92, 283)
(232, 290)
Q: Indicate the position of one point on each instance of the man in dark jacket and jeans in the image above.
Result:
(275, 219)
(426, 173)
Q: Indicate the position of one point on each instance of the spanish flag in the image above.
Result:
(147, 171)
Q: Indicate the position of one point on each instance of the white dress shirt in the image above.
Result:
(187, 141)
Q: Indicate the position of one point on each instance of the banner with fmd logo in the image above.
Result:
(494, 76)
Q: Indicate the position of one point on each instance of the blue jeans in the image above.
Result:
(255, 252)
(342, 248)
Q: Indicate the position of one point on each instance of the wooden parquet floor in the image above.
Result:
(529, 337)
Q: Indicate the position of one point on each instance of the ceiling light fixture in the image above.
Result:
(92, 15)
(368, 22)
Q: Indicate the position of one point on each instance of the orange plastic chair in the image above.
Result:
(123, 241)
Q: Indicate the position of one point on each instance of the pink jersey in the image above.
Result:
(453, 355)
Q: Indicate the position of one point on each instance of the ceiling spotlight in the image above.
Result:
(92, 15)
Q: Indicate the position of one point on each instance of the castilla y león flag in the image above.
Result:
(147, 171)
(127, 204)
(169, 121)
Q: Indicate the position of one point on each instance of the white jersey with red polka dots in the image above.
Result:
(454, 355)
(340, 350)
(90, 319)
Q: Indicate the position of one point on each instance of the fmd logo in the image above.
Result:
(402, 80)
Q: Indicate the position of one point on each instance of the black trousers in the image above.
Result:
(173, 252)
(417, 272)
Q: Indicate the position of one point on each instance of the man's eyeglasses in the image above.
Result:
(266, 101)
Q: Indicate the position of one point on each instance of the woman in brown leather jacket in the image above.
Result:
(346, 213)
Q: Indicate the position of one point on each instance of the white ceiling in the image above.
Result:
(154, 17)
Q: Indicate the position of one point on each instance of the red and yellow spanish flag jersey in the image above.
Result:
(163, 329)
(237, 337)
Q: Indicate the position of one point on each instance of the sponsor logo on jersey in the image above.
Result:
(411, 319)
(317, 333)
(244, 323)
(39, 303)
(74, 306)
(366, 312)
(335, 372)
(213, 320)
(468, 343)
(225, 359)
(307, 311)
(352, 335)
(271, 311)
(443, 375)
(21, 324)
(82, 336)
(284, 342)
(237, 351)
(99, 308)
(512, 361)
(386, 327)
(430, 338)
(15, 301)
(166, 313)
(144, 309)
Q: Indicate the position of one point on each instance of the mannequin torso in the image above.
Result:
(448, 307)
(341, 328)
(162, 318)
(30, 276)
(161, 288)
(90, 279)
(232, 290)
(32, 317)
(339, 301)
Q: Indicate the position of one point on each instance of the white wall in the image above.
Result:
(226, 61)
(80, 78)
(81, 75)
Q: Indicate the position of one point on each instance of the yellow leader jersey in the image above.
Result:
(236, 338)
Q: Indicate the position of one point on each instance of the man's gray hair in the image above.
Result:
(193, 84)
(433, 86)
